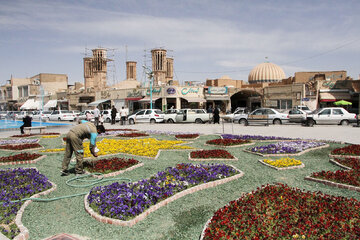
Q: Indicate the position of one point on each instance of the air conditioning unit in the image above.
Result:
(36, 82)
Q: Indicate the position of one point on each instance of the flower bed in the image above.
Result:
(281, 212)
(19, 158)
(148, 147)
(19, 147)
(17, 184)
(187, 136)
(111, 165)
(127, 203)
(51, 136)
(287, 148)
(349, 179)
(34, 134)
(18, 141)
(253, 137)
(283, 163)
(53, 150)
(215, 154)
(228, 142)
(351, 150)
(120, 129)
(133, 135)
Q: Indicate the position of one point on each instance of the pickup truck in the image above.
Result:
(192, 116)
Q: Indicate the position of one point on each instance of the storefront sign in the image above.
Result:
(134, 93)
(171, 91)
(217, 90)
(185, 91)
(154, 90)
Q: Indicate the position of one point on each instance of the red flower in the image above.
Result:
(20, 146)
(227, 142)
(216, 153)
(348, 150)
(132, 135)
(20, 157)
(186, 135)
(110, 165)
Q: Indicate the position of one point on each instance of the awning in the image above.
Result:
(333, 97)
(28, 104)
(147, 99)
(218, 97)
(51, 104)
(133, 98)
(95, 103)
(37, 105)
(190, 99)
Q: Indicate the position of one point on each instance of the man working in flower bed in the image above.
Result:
(74, 143)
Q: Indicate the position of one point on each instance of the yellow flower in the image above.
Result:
(148, 147)
(50, 136)
(53, 150)
(283, 162)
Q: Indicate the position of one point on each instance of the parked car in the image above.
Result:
(304, 108)
(170, 115)
(297, 115)
(147, 115)
(238, 112)
(107, 115)
(62, 115)
(192, 116)
(263, 116)
(41, 115)
(330, 115)
(3, 114)
(22, 114)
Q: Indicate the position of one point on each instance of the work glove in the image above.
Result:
(92, 150)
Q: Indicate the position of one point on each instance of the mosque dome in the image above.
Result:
(266, 72)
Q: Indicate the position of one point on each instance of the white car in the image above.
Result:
(330, 115)
(170, 115)
(41, 115)
(303, 108)
(192, 116)
(297, 115)
(62, 115)
(22, 114)
(107, 115)
(147, 115)
(82, 115)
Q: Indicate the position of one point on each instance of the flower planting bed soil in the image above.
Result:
(21, 147)
(169, 185)
(111, 167)
(211, 155)
(228, 143)
(30, 184)
(22, 158)
(282, 212)
(348, 179)
(293, 148)
(281, 168)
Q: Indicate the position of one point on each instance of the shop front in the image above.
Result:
(218, 97)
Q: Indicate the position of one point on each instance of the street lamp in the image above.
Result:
(151, 78)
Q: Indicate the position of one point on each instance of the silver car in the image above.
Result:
(330, 115)
(264, 116)
(297, 116)
(147, 115)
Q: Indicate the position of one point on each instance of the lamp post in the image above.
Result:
(151, 77)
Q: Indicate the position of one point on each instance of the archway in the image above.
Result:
(249, 99)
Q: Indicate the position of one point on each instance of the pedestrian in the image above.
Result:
(27, 123)
(74, 143)
(216, 115)
(96, 115)
(123, 115)
(113, 115)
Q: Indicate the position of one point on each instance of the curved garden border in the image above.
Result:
(24, 232)
(20, 150)
(283, 168)
(112, 174)
(164, 202)
(23, 162)
(344, 156)
(288, 154)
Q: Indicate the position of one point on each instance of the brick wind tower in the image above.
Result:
(162, 67)
(95, 69)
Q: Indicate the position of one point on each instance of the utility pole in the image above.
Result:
(150, 75)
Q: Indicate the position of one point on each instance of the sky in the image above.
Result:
(207, 38)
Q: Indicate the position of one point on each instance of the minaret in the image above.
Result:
(159, 66)
(169, 69)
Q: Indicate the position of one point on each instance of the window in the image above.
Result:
(284, 104)
(141, 112)
(337, 112)
(325, 112)
(148, 112)
(269, 111)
